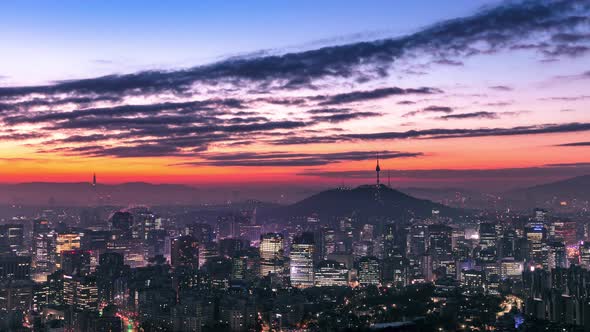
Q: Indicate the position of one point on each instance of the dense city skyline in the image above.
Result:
(487, 91)
(295, 166)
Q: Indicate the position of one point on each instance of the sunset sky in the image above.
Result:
(446, 93)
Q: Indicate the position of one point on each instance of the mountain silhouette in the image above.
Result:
(367, 201)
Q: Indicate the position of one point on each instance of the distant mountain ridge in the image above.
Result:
(573, 188)
(84, 193)
(367, 200)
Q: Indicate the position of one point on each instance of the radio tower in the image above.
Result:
(378, 169)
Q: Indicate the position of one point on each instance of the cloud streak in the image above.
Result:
(491, 30)
(288, 159)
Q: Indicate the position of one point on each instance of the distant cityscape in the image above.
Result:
(103, 268)
(295, 166)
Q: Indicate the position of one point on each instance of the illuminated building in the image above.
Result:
(473, 282)
(239, 267)
(487, 235)
(541, 216)
(12, 238)
(271, 254)
(110, 272)
(331, 273)
(536, 234)
(15, 267)
(564, 230)
(585, 255)
(80, 292)
(556, 256)
(250, 232)
(367, 232)
(439, 240)
(418, 240)
(362, 249)
(66, 242)
(43, 246)
(16, 295)
(328, 239)
(203, 233)
(395, 271)
(185, 252)
(144, 221)
(509, 268)
(302, 261)
(427, 265)
(369, 271)
(207, 251)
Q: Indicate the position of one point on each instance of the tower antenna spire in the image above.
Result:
(378, 169)
(94, 180)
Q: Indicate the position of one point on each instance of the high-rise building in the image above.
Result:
(473, 281)
(418, 240)
(12, 238)
(203, 233)
(509, 268)
(395, 271)
(145, 221)
(122, 225)
(110, 275)
(14, 267)
(564, 231)
(185, 252)
(16, 296)
(271, 254)
(369, 272)
(156, 243)
(76, 262)
(439, 239)
(395, 240)
(507, 246)
(302, 261)
(331, 273)
(487, 235)
(427, 265)
(207, 251)
(44, 255)
(536, 234)
(362, 249)
(66, 241)
(585, 255)
(328, 239)
(80, 292)
(556, 256)
(541, 216)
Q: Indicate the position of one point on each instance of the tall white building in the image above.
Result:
(301, 261)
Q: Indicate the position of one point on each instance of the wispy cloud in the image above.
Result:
(286, 159)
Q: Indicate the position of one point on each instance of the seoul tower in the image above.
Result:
(377, 169)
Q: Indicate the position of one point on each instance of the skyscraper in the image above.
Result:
(185, 252)
(66, 241)
(331, 273)
(301, 261)
(12, 238)
(440, 243)
(122, 224)
(369, 271)
(271, 253)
